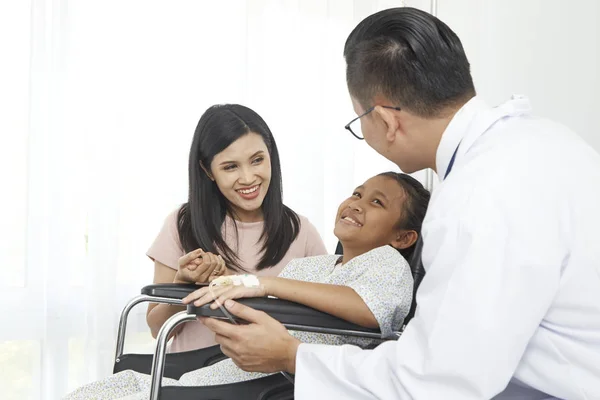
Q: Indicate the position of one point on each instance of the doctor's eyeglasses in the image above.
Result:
(357, 131)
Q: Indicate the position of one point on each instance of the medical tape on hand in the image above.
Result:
(246, 280)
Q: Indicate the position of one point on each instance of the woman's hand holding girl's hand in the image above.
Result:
(199, 267)
(221, 293)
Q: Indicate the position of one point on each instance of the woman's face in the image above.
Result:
(368, 219)
(243, 172)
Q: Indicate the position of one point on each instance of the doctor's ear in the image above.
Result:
(207, 172)
(404, 239)
(389, 118)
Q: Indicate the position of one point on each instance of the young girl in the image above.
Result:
(234, 216)
(370, 285)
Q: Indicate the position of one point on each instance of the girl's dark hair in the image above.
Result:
(415, 206)
(200, 220)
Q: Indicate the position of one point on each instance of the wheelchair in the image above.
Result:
(292, 315)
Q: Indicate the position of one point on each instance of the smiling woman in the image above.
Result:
(234, 214)
(242, 173)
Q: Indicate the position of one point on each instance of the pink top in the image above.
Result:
(167, 250)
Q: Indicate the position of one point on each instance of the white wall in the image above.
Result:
(548, 50)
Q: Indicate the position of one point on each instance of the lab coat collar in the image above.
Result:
(455, 131)
(470, 122)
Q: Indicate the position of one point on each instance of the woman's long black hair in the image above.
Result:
(200, 220)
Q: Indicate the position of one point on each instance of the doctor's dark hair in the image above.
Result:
(415, 206)
(410, 57)
(200, 220)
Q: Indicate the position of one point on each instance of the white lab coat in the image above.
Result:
(510, 304)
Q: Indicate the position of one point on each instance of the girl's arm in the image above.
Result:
(340, 301)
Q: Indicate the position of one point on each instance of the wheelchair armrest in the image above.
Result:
(171, 290)
(288, 313)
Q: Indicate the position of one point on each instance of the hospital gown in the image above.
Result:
(381, 277)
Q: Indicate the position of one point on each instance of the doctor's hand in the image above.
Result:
(263, 345)
(199, 267)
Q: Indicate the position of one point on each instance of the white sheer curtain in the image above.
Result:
(99, 101)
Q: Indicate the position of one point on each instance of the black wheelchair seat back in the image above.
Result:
(418, 273)
(176, 364)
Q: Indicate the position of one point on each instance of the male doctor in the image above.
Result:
(510, 305)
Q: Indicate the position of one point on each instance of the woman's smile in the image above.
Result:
(249, 193)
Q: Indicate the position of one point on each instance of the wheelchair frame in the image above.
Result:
(278, 309)
(192, 313)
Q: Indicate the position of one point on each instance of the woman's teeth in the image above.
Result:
(248, 191)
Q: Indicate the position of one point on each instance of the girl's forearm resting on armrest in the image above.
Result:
(340, 301)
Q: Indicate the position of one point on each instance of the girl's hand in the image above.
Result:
(199, 267)
(221, 293)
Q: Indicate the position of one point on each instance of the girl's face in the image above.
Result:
(242, 173)
(368, 219)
